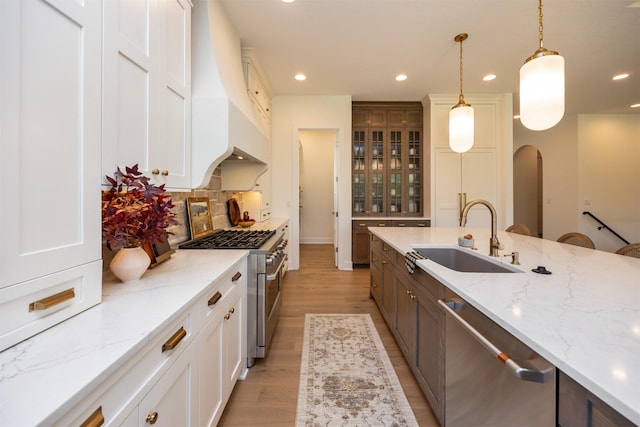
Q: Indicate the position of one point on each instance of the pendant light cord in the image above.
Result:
(540, 27)
(461, 96)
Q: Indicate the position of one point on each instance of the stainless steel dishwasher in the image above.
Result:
(492, 378)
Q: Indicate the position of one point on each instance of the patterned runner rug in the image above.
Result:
(346, 378)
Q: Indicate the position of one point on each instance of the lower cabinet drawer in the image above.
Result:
(33, 306)
(122, 391)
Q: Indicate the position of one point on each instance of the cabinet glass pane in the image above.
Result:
(395, 193)
(414, 190)
(377, 192)
(358, 150)
(414, 149)
(358, 192)
(395, 144)
(377, 150)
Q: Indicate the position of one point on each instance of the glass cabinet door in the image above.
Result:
(414, 189)
(377, 172)
(395, 173)
(358, 176)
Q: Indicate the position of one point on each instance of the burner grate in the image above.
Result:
(231, 239)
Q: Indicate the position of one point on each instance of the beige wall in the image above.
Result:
(593, 158)
(316, 183)
(609, 177)
(290, 114)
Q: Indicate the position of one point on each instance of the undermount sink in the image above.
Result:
(463, 260)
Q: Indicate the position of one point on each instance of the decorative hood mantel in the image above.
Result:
(223, 122)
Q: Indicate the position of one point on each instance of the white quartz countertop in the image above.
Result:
(45, 376)
(584, 317)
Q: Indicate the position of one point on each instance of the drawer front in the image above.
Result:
(33, 306)
(365, 224)
(217, 296)
(411, 223)
(121, 392)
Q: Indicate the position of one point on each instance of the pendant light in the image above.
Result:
(461, 115)
(542, 86)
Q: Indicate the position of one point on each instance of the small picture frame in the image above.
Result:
(158, 252)
(200, 221)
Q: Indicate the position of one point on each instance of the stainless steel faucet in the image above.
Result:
(494, 243)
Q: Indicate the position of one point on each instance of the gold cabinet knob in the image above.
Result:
(152, 417)
(227, 316)
(232, 310)
(155, 172)
(165, 173)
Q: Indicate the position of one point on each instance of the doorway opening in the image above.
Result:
(527, 189)
(318, 189)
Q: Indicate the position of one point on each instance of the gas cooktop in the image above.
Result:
(231, 239)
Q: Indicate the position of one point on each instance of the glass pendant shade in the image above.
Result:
(461, 128)
(542, 92)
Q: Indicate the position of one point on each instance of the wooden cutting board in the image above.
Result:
(234, 211)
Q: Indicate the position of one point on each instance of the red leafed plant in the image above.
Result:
(134, 210)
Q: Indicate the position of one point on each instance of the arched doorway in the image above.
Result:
(527, 189)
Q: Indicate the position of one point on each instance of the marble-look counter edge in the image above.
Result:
(575, 317)
(71, 359)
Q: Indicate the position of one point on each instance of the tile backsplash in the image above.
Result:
(219, 212)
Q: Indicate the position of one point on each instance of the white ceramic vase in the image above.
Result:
(130, 264)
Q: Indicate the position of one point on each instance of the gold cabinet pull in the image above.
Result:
(52, 300)
(155, 171)
(165, 173)
(94, 420)
(152, 417)
(229, 313)
(174, 341)
(215, 298)
(236, 276)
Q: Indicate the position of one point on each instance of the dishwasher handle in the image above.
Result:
(523, 373)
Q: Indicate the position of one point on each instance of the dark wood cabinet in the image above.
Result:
(382, 271)
(387, 159)
(409, 304)
(360, 235)
(577, 407)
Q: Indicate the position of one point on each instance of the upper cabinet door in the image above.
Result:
(50, 126)
(147, 89)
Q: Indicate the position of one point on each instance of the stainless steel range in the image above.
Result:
(264, 284)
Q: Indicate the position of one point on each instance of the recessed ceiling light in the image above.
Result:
(516, 117)
(300, 77)
(401, 77)
(489, 77)
(635, 105)
(288, 1)
(621, 76)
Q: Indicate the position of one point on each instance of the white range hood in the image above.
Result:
(223, 125)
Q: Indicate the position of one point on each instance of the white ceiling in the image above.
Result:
(357, 47)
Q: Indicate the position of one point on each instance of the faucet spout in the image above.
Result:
(494, 243)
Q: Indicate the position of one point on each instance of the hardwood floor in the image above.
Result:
(268, 396)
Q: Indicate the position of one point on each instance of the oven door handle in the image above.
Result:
(522, 372)
(275, 274)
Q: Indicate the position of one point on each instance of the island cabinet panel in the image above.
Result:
(409, 304)
(419, 332)
(577, 407)
(382, 277)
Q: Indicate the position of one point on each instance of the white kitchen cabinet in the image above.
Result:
(147, 89)
(173, 401)
(484, 172)
(187, 370)
(259, 95)
(50, 133)
(461, 178)
(222, 347)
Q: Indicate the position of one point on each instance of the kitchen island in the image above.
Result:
(584, 317)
